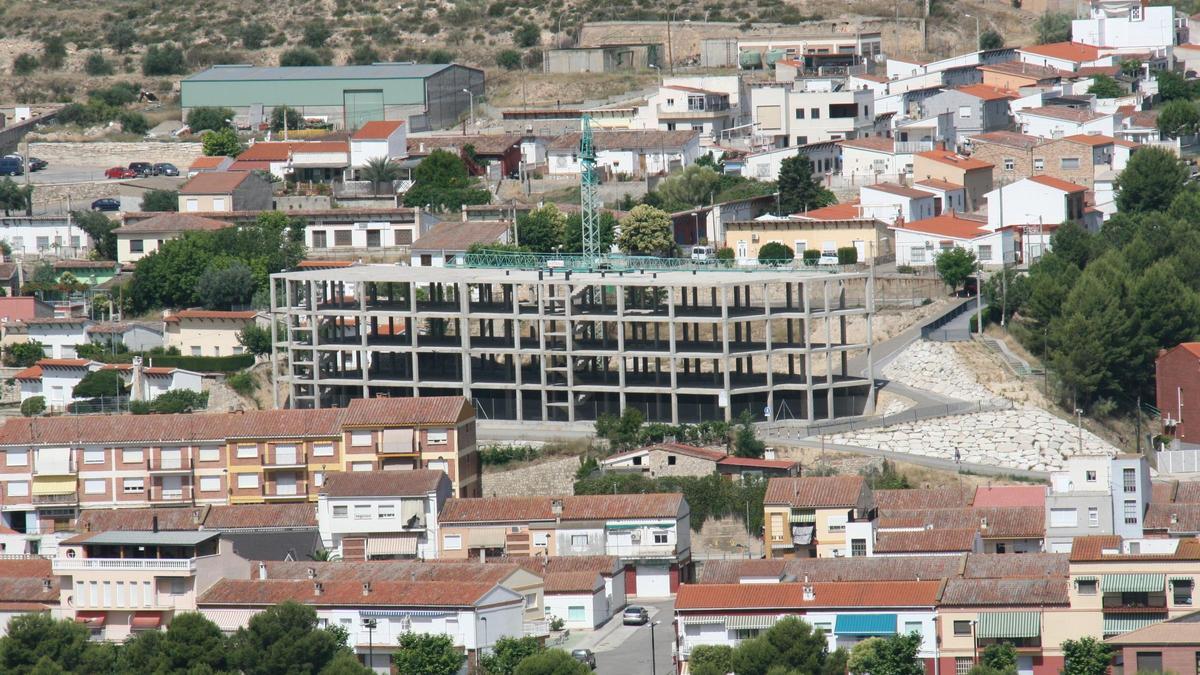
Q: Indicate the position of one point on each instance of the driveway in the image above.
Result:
(625, 650)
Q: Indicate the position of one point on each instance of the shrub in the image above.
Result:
(164, 60)
(725, 253)
(120, 37)
(253, 35)
(300, 56)
(527, 35)
(34, 405)
(23, 354)
(500, 455)
(556, 623)
(180, 401)
(205, 117)
(847, 255)
(243, 383)
(24, 64)
(439, 56)
(316, 34)
(775, 252)
(97, 66)
(811, 256)
(905, 269)
(509, 59)
(133, 122)
(54, 52)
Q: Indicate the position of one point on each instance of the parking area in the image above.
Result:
(625, 650)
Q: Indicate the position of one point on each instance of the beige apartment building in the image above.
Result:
(973, 174)
(203, 332)
(810, 230)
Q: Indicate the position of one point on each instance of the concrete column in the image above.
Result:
(314, 334)
(464, 331)
(274, 339)
(541, 324)
(725, 352)
(416, 330)
(621, 346)
(807, 357)
(828, 353)
(871, 393)
(360, 290)
(569, 343)
(515, 316)
(770, 365)
(672, 350)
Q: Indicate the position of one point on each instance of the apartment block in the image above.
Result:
(811, 111)
(1097, 495)
(378, 515)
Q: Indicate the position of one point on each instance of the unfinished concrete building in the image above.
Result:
(681, 346)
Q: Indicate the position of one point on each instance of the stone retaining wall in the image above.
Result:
(550, 477)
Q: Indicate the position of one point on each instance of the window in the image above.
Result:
(662, 537)
(17, 458)
(178, 587)
(374, 239)
(1129, 476)
(387, 510)
(323, 450)
(1009, 164)
(815, 113)
(343, 238)
(917, 254)
(437, 437)
(985, 252)
(858, 548)
(94, 487)
(579, 540)
(196, 351)
(193, 204)
(1086, 586)
(137, 246)
(239, 350)
(1069, 162)
(43, 243)
(842, 110)
(1182, 592)
(824, 627)
(18, 488)
(1063, 518)
(134, 486)
(912, 627)
(671, 460)
(210, 453)
(218, 203)
(247, 451)
(576, 613)
(746, 633)
(1093, 516)
(362, 466)
(1039, 164)
(1131, 512)
(360, 439)
(799, 113)
(962, 627)
(836, 523)
(132, 456)
(318, 478)
(404, 237)
(1149, 662)
(341, 511)
(247, 481)
(210, 483)
(1090, 476)
(438, 465)
(963, 665)
(318, 239)
(541, 538)
(964, 111)
(452, 542)
(637, 461)
(362, 511)
(530, 600)
(93, 456)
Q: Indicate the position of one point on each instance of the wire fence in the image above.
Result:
(104, 405)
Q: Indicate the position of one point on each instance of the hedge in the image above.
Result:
(202, 364)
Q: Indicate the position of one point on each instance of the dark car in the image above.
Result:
(634, 615)
(11, 166)
(584, 656)
(36, 164)
(106, 204)
(142, 168)
(165, 169)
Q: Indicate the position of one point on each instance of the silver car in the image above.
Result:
(635, 616)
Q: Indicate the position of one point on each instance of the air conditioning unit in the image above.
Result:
(754, 238)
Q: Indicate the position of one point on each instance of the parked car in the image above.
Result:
(584, 656)
(635, 616)
(142, 168)
(106, 204)
(36, 164)
(11, 167)
(828, 258)
(165, 169)
(119, 172)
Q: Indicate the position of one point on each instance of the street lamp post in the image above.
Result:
(653, 657)
(468, 93)
(485, 635)
(670, 47)
(978, 46)
(660, 75)
(370, 624)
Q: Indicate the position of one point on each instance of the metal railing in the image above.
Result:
(577, 262)
(122, 564)
(801, 429)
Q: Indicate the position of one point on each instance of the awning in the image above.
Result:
(1009, 624)
(146, 620)
(803, 518)
(486, 537)
(402, 612)
(92, 619)
(865, 624)
(1133, 583)
(1123, 623)
(695, 620)
(1181, 579)
(53, 485)
(1086, 578)
(750, 622)
(392, 544)
(397, 441)
(229, 620)
(802, 535)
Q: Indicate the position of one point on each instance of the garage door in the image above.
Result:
(362, 106)
(653, 581)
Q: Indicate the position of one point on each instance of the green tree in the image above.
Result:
(441, 181)
(542, 229)
(121, 37)
(99, 383)
(166, 59)
(990, 39)
(710, 660)
(256, 339)
(283, 639)
(527, 35)
(1173, 87)
(1001, 657)
(15, 197)
(1166, 313)
(1104, 86)
(1151, 179)
(101, 230)
(551, 662)
(691, 187)
(1132, 68)
(208, 117)
(179, 401)
(431, 653)
(790, 644)
(774, 251)
(300, 56)
(745, 442)
(33, 406)
(346, 663)
(864, 656)
(897, 655)
(316, 34)
(362, 55)
(54, 52)
(133, 122)
(509, 59)
(507, 653)
(24, 65)
(161, 200)
(1086, 656)
(573, 237)
(281, 114)
(191, 643)
(380, 170)
(1052, 27)
(955, 267)
(1090, 343)
(24, 354)
(646, 230)
(1007, 291)
(254, 35)
(36, 636)
(225, 284)
(620, 432)
(799, 189)
(222, 143)
(96, 65)
(1178, 118)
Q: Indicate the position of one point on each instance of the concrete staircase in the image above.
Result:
(1016, 364)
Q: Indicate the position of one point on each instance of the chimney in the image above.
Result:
(482, 555)
(983, 523)
(312, 573)
(195, 516)
(809, 595)
(556, 507)
(262, 571)
(1174, 518)
(46, 584)
(318, 588)
(366, 588)
(412, 575)
(154, 523)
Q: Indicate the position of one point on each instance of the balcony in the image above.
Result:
(641, 550)
(276, 492)
(122, 565)
(161, 495)
(166, 465)
(69, 499)
(284, 459)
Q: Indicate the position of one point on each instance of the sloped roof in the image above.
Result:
(1095, 549)
(816, 492)
(280, 151)
(1182, 631)
(261, 516)
(1091, 139)
(1024, 70)
(207, 162)
(834, 212)
(573, 582)
(453, 235)
(1002, 522)
(925, 541)
(673, 448)
(876, 143)
(169, 518)
(987, 92)
(1011, 139)
(1009, 566)
(954, 159)
(270, 592)
(395, 570)
(899, 190)
(1066, 51)
(417, 482)
(217, 315)
(377, 130)
(173, 222)
(1062, 112)
(1058, 184)
(1005, 592)
(791, 595)
(881, 568)
(633, 139)
(1010, 495)
(946, 225)
(586, 507)
(213, 183)
(932, 498)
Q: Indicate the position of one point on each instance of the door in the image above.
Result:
(362, 106)
(172, 487)
(1024, 665)
(172, 459)
(861, 247)
(742, 250)
(285, 484)
(653, 581)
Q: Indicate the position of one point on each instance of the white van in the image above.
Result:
(828, 258)
(704, 253)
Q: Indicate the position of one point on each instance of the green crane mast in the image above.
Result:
(589, 194)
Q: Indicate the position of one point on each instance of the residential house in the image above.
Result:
(753, 468)
(27, 585)
(225, 191)
(120, 582)
(890, 202)
(1015, 75)
(352, 233)
(918, 243)
(665, 459)
(577, 598)
(204, 332)
(636, 152)
(59, 336)
(481, 152)
(87, 272)
(974, 175)
(810, 111)
(680, 107)
(1177, 387)
(56, 379)
(135, 337)
(378, 139)
(1059, 121)
(10, 281)
(947, 196)
(1142, 127)
(1077, 159)
(926, 541)
(381, 515)
(205, 164)
(650, 533)
(974, 109)
(1096, 495)
(137, 238)
(941, 530)
(1130, 29)
(875, 158)
(818, 517)
(1040, 199)
(56, 236)
(826, 229)
(1064, 56)
(449, 241)
(14, 308)
(1167, 647)
(296, 160)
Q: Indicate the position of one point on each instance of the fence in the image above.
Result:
(104, 405)
(934, 329)
(801, 429)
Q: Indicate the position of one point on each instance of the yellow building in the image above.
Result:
(202, 332)
(825, 230)
(818, 517)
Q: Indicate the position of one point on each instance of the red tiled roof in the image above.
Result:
(816, 492)
(899, 190)
(205, 162)
(1009, 566)
(1064, 51)
(270, 592)
(377, 130)
(1091, 139)
(1093, 549)
(791, 595)
(246, 315)
(1173, 518)
(416, 482)
(946, 225)
(30, 373)
(925, 541)
(323, 264)
(933, 498)
(953, 159)
(169, 519)
(424, 410)
(604, 565)
(1024, 70)
(988, 92)
(573, 582)
(64, 363)
(452, 235)
(213, 183)
(586, 507)
(938, 184)
(1058, 184)
(1189, 490)
(1010, 495)
(173, 222)
(876, 143)
(280, 151)
(834, 212)
(1062, 112)
(993, 522)
(1004, 592)
(755, 463)
(1010, 138)
(261, 516)
(674, 448)
(397, 570)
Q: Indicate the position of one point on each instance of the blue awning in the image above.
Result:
(865, 624)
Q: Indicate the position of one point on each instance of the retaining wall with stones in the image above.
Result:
(551, 477)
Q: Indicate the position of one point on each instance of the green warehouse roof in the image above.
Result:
(233, 73)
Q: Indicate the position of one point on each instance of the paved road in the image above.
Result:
(625, 650)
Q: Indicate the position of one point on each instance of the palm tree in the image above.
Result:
(380, 170)
(324, 555)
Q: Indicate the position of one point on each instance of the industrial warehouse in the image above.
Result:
(559, 346)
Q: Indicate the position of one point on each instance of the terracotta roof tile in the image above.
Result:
(261, 516)
(1003, 522)
(452, 235)
(882, 568)
(417, 482)
(266, 593)
(791, 595)
(755, 463)
(586, 507)
(1005, 592)
(169, 519)
(1009, 566)
(1058, 184)
(1010, 495)
(573, 582)
(484, 144)
(1065, 51)
(674, 448)
(1182, 631)
(424, 410)
(938, 184)
(1101, 548)
(206, 162)
(817, 492)
(834, 212)
(946, 225)
(926, 541)
(213, 183)
(933, 498)
(604, 565)
(987, 92)
(1163, 492)
(1024, 70)
(954, 159)
(280, 151)
(396, 570)
(876, 143)
(1062, 112)
(1175, 519)
(246, 315)
(1189, 490)
(377, 130)
(173, 222)
(30, 373)
(1091, 139)
(899, 190)
(1009, 138)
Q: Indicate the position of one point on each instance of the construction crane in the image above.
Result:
(589, 195)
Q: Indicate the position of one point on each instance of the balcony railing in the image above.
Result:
(169, 464)
(641, 550)
(120, 564)
(288, 459)
(62, 499)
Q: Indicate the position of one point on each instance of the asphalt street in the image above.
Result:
(625, 650)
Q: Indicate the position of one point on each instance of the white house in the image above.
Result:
(876, 156)
(890, 202)
(135, 337)
(636, 152)
(381, 515)
(55, 379)
(810, 111)
(1038, 199)
(947, 196)
(1127, 27)
(1056, 121)
(59, 336)
(379, 138)
(1067, 56)
(766, 165)
(918, 243)
(578, 598)
(681, 107)
(44, 235)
